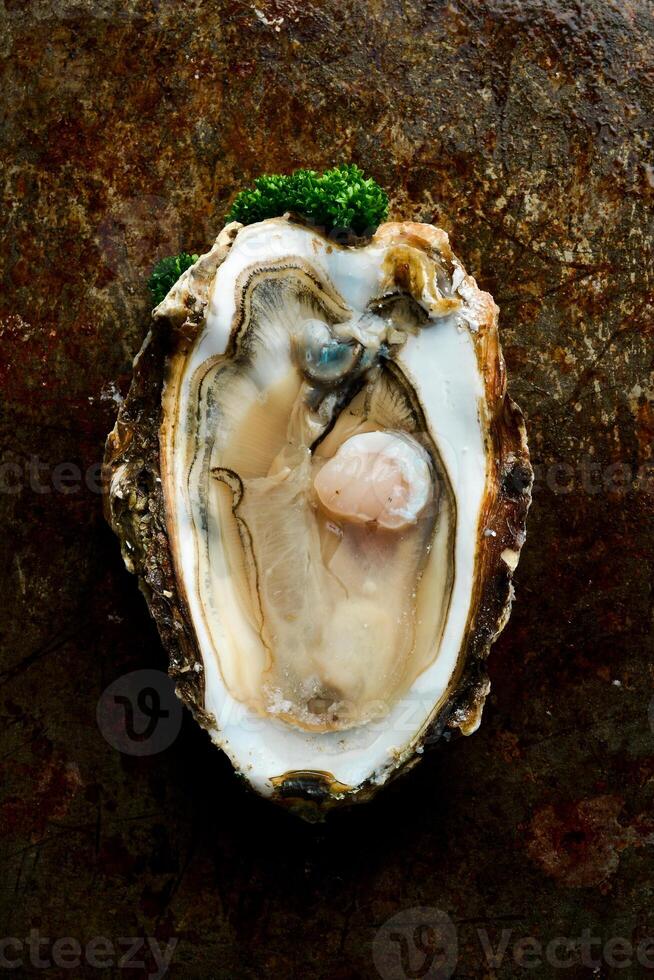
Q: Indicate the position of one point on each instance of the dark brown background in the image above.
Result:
(520, 127)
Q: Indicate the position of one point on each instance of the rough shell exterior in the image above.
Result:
(134, 506)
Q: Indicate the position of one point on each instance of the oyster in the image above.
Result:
(322, 484)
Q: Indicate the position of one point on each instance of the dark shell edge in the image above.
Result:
(134, 507)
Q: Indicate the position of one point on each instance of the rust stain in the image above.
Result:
(523, 130)
(53, 787)
(580, 844)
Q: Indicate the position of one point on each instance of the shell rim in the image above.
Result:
(135, 509)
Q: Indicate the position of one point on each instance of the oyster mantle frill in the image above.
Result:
(322, 484)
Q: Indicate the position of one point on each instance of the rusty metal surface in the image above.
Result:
(524, 129)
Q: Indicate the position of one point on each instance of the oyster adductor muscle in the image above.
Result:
(322, 484)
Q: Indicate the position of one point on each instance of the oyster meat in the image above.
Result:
(323, 485)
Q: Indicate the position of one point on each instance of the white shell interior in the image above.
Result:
(442, 364)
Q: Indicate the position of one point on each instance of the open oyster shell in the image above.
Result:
(322, 485)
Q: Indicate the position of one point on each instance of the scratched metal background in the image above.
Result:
(524, 128)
